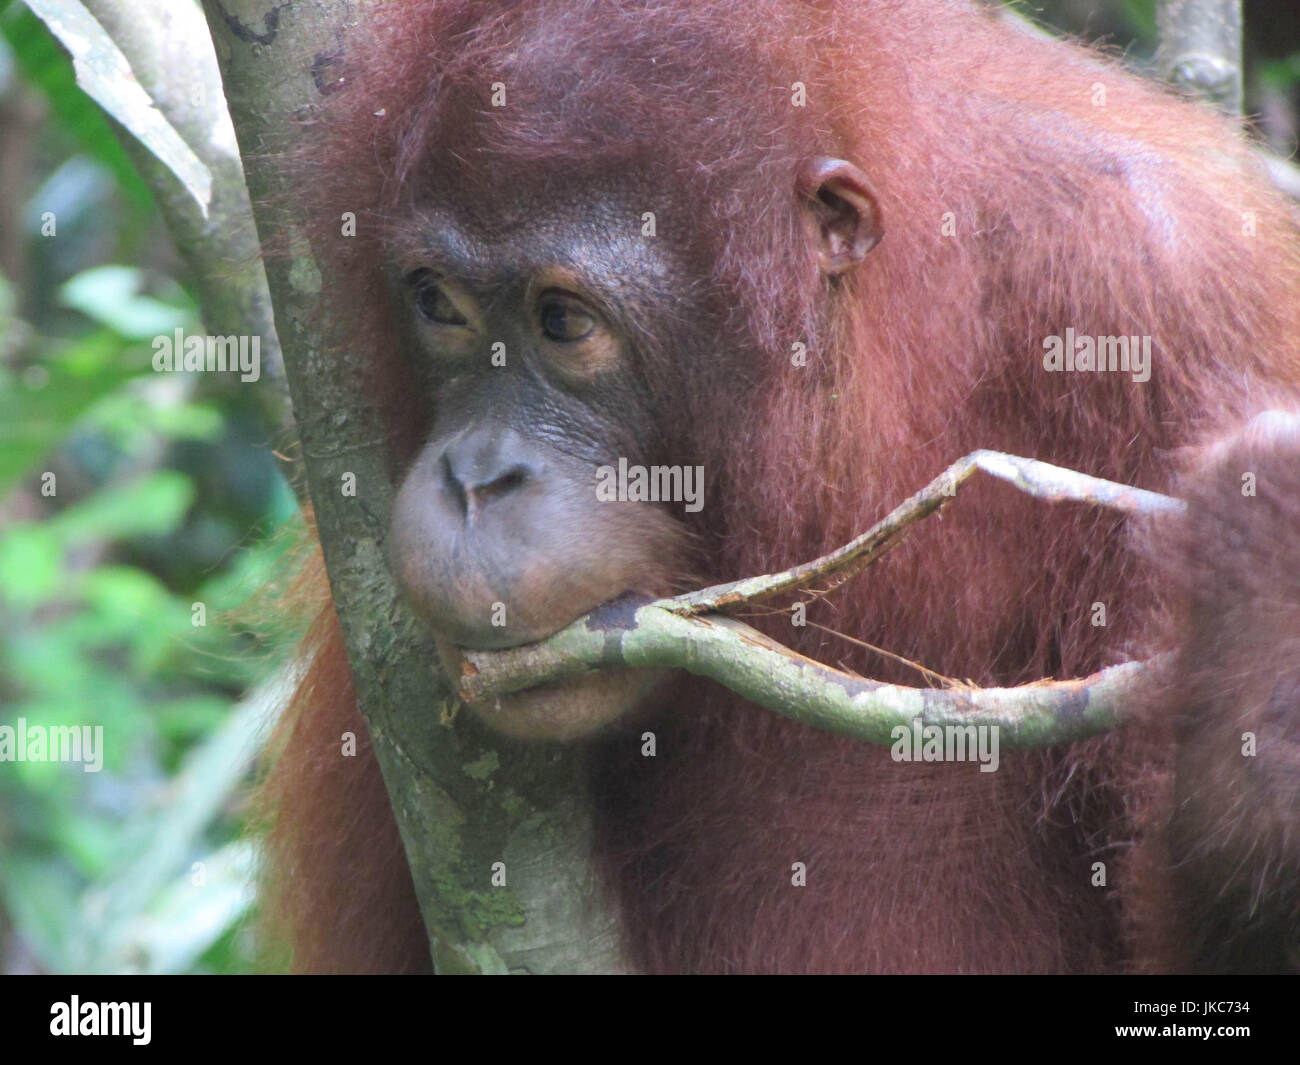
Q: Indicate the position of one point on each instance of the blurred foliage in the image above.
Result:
(139, 514)
(43, 65)
(1270, 46)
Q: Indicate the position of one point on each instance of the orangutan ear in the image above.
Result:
(846, 211)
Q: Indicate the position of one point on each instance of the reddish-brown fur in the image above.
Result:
(1125, 218)
(331, 825)
(1230, 844)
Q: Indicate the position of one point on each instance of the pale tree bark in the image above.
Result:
(1200, 48)
(464, 799)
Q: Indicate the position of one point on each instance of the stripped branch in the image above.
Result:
(673, 633)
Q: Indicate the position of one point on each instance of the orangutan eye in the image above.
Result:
(432, 301)
(565, 322)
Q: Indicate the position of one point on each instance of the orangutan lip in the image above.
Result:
(488, 648)
(466, 649)
(615, 612)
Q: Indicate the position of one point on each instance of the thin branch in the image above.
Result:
(1042, 480)
(671, 633)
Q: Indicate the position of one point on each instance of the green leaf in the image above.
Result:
(31, 565)
(110, 295)
(154, 504)
(37, 409)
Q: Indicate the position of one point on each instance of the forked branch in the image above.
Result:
(687, 632)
